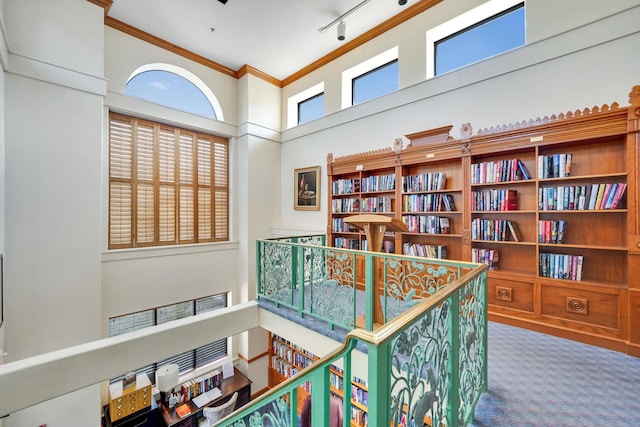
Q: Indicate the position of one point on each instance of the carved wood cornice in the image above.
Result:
(586, 113)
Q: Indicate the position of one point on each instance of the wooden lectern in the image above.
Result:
(374, 227)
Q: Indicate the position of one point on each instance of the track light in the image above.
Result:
(342, 30)
(402, 2)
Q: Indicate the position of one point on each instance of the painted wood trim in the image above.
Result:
(149, 38)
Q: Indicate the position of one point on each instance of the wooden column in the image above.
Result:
(374, 227)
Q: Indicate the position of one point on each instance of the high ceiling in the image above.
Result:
(276, 37)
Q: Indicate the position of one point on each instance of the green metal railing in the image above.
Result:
(427, 364)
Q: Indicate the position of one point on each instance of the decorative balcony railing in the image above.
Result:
(426, 364)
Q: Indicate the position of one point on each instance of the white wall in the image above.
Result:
(52, 156)
(590, 65)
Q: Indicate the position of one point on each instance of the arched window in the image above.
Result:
(173, 87)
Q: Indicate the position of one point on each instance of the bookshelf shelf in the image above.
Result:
(544, 172)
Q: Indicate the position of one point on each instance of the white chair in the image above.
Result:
(213, 414)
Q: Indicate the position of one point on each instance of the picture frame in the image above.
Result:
(306, 189)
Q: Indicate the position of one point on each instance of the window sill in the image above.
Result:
(162, 251)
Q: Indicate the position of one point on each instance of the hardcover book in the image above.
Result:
(183, 410)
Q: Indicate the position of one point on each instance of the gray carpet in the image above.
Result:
(541, 380)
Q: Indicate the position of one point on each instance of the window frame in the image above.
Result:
(316, 96)
(149, 159)
(468, 20)
(369, 73)
(363, 67)
(151, 318)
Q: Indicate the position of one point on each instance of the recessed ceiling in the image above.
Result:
(277, 37)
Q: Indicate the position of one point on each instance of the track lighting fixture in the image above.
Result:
(342, 30)
(402, 2)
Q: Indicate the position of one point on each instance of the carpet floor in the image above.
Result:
(542, 380)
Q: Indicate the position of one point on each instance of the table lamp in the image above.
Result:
(166, 380)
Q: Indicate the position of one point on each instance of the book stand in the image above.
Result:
(374, 227)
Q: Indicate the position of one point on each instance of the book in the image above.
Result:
(444, 225)
(523, 170)
(512, 229)
(619, 193)
(601, 189)
(612, 192)
(183, 410)
(593, 196)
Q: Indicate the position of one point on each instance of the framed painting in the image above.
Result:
(306, 194)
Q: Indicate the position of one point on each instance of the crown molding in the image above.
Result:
(376, 31)
(380, 29)
(149, 38)
(105, 4)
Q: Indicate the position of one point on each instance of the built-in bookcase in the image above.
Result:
(510, 191)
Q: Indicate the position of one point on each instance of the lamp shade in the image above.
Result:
(167, 377)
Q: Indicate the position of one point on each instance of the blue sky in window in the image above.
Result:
(376, 83)
(311, 109)
(171, 90)
(491, 38)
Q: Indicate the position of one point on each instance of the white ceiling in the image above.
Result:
(277, 37)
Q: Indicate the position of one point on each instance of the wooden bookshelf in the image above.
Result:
(286, 359)
(592, 148)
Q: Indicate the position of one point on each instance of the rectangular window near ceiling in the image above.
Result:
(492, 36)
(188, 360)
(167, 185)
(311, 108)
(374, 83)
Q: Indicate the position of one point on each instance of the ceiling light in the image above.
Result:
(402, 2)
(342, 30)
(341, 17)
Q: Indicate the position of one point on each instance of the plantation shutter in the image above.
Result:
(186, 189)
(221, 201)
(166, 185)
(120, 186)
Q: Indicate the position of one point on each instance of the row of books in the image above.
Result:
(494, 200)
(387, 246)
(376, 204)
(359, 395)
(499, 171)
(337, 381)
(551, 231)
(581, 197)
(555, 165)
(359, 417)
(345, 186)
(378, 183)
(427, 251)
(486, 256)
(283, 367)
(338, 225)
(345, 205)
(281, 350)
(431, 202)
(494, 229)
(346, 243)
(429, 224)
(561, 266)
(424, 182)
(201, 384)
